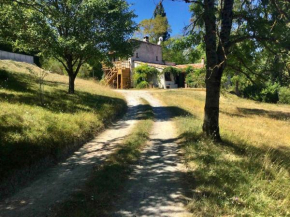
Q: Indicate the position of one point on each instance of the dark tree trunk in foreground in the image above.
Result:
(217, 44)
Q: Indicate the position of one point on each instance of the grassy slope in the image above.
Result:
(107, 181)
(247, 174)
(31, 130)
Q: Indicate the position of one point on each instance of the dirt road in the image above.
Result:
(60, 182)
(154, 188)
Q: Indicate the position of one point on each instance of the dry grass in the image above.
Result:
(32, 129)
(248, 173)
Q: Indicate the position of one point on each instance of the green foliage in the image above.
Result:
(174, 71)
(54, 66)
(154, 28)
(181, 51)
(142, 75)
(91, 70)
(195, 77)
(159, 10)
(264, 92)
(284, 95)
(72, 31)
(270, 93)
(142, 85)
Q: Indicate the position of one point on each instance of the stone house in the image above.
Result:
(121, 74)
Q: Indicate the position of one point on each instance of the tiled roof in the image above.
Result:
(155, 65)
(162, 66)
(196, 66)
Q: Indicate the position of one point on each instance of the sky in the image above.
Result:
(178, 14)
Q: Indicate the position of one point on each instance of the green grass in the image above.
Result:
(245, 175)
(32, 129)
(107, 180)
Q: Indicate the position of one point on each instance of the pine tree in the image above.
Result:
(159, 10)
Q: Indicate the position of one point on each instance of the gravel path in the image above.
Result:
(154, 188)
(61, 181)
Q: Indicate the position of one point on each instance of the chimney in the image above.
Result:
(202, 61)
(160, 40)
(146, 39)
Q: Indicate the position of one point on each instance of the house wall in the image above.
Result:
(148, 52)
(159, 81)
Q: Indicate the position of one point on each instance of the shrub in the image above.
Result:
(266, 92)
(284, 95)
(270, 93)
(143, 74)
(54, 66)
(142, 85)
(195, 77)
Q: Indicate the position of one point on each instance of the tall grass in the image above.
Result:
(32, 129)
(108, 180)
(248, 173)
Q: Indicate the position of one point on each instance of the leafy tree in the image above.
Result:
(195, 77)
(73, 31)
(181, 51)
(225, 23)
(159, 10)
(154, 27)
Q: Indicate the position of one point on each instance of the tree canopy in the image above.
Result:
(154, 28)
(159, 10)
(72, 31)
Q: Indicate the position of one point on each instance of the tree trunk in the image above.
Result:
(71, 88)
(211, 109)
(216, 50)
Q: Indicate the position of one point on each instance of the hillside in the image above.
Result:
(38, 127)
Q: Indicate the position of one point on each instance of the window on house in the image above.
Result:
(156, 58)
(167, 76)
(137, 55)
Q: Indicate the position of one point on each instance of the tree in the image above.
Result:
(154, 27)
(224, 23)
(159, 10)
(180, 50)
(74, 31)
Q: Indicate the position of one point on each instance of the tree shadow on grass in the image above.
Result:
(15, 81)
(59, 101)
(26, 91)
(278, 115)
(227, 173)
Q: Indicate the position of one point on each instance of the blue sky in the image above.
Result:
(177, 12)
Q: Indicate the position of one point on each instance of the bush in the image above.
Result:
(54, 66)
(195, 77)
(143, 74)
(142, 85)
(266, 92)
(270, 93)
(284, 95)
